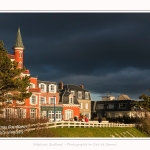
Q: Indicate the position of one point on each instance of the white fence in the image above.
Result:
(75, 124)
(63, 124)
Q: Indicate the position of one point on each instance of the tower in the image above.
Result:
(18, 49)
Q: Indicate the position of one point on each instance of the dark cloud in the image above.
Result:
(103, 51)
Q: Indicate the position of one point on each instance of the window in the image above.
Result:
(110, 106)
(79, 94)
(43, 114)
(32, 113)
(21, 113)
(32, 85)
(86, 105)
(42, 100)
(9, 113)
(100, 106)
(68, 114)
(72, 92)
(81, 105)
(58, 115)
(52, 88)
(42, 86)
(20, 54)
(9, 99)
(20, 64)
(86, 95)
(70, 99)
(52, 100)
(122, 106)
(33, 100)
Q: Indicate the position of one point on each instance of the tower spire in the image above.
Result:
(18, 42)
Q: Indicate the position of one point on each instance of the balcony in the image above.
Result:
(35, 90)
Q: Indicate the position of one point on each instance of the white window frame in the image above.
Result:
(21, 113)
(86, 95)
(73, 93)
(58, 115)
(52, 88)
(52, 100)
(79, 94)
(32, 85)
(42, 86)
(31, 100)
(42, 98)
(43, 114)
(20, 54)
(20, 64)
(86, 105)
(71, 99)
(120, 105)
(81, 105)
(68, 114)
(33, 113)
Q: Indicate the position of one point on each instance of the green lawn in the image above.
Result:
(115, 132)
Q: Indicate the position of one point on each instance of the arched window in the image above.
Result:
(42, 86)
(52, 88)
(33, 100)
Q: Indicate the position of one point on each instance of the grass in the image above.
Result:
(97, 132)
(115, 132)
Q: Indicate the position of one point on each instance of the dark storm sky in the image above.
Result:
(103, 51)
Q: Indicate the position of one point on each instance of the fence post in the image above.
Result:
(62, 124)
(28, 129)
(47, 125)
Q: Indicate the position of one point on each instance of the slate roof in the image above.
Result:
(66, 91)
(18, 42)
(74, 88)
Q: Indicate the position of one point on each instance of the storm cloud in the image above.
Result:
(103, 51)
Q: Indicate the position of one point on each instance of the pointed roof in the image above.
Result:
(18, 42)
(123, 97)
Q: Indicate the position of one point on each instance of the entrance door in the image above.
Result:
(68, 114)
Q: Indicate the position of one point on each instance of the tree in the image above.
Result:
(13, 83)
(145, 103)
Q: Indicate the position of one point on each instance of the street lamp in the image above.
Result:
(54, 110)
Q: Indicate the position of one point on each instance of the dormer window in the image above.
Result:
(71, 100)
(86, 95)
(73, 93)
(80, 95)
(42, 86)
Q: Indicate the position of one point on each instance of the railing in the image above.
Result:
(62, 124)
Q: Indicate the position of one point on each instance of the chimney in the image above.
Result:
(60, 85)
(81, 85)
